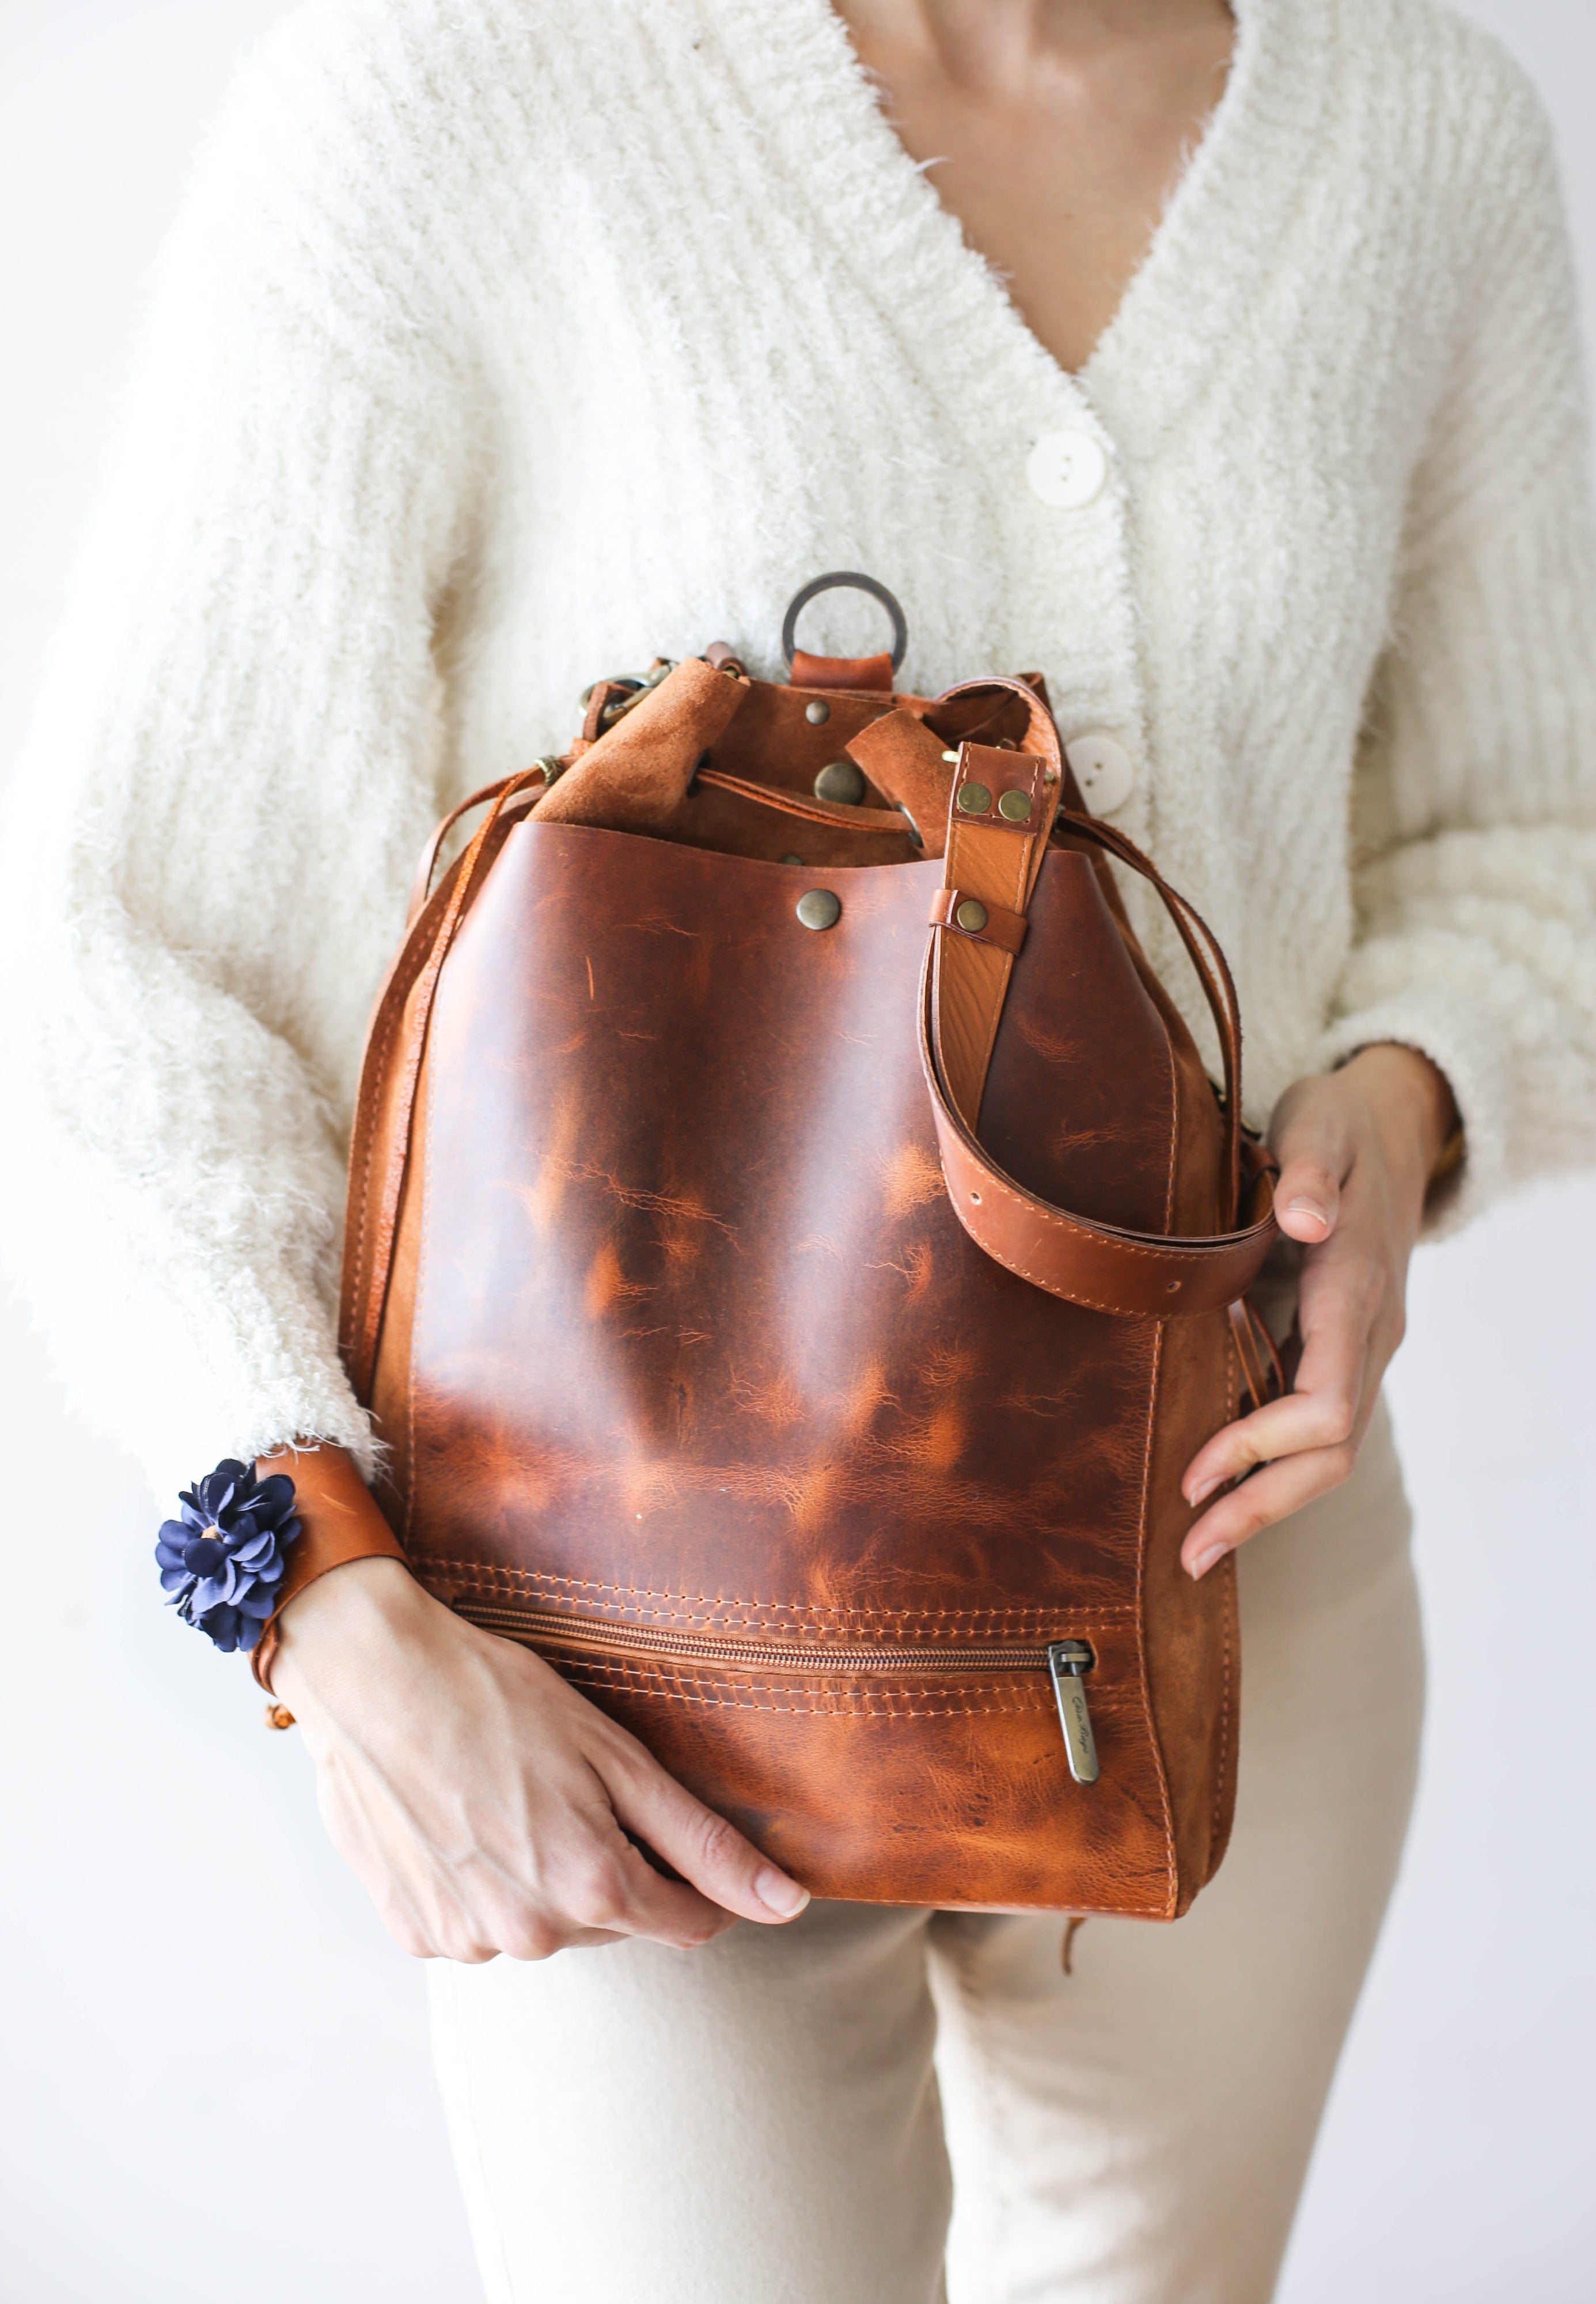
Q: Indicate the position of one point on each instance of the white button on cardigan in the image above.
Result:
(1068, 469)
(1102, 768)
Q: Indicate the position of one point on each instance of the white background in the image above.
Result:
(216, 2086)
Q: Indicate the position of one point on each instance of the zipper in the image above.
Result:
(1067, 1662)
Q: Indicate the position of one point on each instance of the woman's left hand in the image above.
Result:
(1357, 1148)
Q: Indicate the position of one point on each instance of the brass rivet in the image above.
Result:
(971, 915)
(974, 800)
(817, 908)
(816, 711)
(1015, 805)
(790, 860)
(842, 781)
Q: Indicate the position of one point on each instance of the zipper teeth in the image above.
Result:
(535, 1624)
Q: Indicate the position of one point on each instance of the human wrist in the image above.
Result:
(1412, 1101)
(325, 1629)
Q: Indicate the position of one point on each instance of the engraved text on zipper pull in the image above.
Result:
(1069, 1661)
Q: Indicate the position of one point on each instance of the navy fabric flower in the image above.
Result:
(222, 1562)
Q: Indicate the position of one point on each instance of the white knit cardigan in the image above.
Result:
(503, 344)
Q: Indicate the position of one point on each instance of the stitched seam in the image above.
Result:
(469, 1570)
(838, 1705)
(1174, 1131)
(826, 1695)
(1076, 1296)
(843, 1692)
(1171, 1870)
(1197, 1255)
(1016, 898)
(424, 1255)
(1221, 1774)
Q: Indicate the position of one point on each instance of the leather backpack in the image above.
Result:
(794, 1249)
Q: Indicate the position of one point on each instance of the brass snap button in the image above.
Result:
(816, 711)
(789, 859)
(971, 915)
(1015, 806)
(974, 800)
(818, 908)
(842, 782)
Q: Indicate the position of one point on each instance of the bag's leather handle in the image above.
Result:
(963, 987)
(1214, 973)
(1138, 1274)
(428, 863)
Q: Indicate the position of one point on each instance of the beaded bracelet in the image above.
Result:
(222, 1562)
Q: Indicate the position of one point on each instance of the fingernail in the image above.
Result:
(778, 1894)
(1204, 1489)
(1307, 1208)
(1204, 1560)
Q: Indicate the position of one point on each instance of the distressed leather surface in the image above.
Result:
(685, 1334)
(668, 1324)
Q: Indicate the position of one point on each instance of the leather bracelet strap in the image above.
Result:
(341, 1521)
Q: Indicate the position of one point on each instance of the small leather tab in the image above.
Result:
(905, 760)
(633, 778)
(1008, 779)
(842, 671)
(1003, 929)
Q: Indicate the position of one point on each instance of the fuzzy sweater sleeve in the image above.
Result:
(1475, 820)
(233, 761)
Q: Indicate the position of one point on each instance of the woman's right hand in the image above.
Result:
(483, 1802)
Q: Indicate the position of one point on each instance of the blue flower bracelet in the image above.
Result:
(221, 1563)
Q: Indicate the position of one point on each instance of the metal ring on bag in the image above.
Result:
(843, 579)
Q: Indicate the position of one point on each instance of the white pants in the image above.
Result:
(787, 2115)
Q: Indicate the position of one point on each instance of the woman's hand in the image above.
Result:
(1357, 1148)
(485, 1804)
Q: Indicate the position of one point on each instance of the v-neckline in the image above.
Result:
(1229, 207)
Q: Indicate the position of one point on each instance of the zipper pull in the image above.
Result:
(1067, 1661)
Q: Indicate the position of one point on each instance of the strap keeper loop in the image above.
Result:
(983, 923)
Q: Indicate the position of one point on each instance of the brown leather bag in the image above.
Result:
(826, 1431)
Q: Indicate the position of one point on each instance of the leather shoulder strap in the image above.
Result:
(1003, 808)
